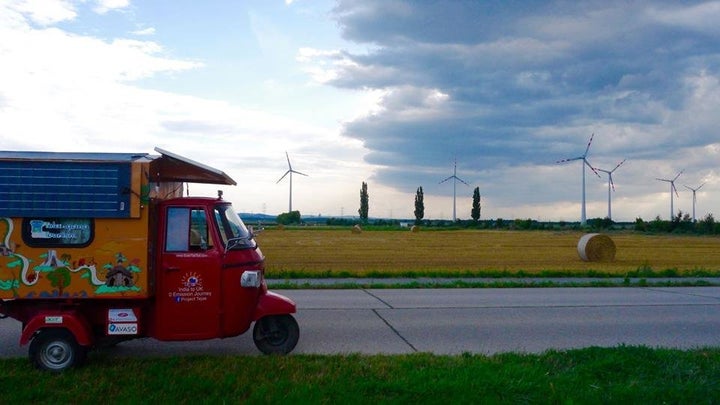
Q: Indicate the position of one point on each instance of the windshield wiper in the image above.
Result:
(241, 242)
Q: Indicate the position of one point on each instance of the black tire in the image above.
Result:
(276, 334)
(56, 350)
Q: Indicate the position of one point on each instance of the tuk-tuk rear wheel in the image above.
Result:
(56, 350)
(276, 334)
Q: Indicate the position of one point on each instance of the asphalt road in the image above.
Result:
(453, 321)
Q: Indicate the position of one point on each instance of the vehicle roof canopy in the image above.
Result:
(172, 167)
(99, 185)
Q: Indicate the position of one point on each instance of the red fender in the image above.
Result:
(270, 303)
(72, 321)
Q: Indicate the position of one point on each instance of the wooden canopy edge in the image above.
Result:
(173, 167)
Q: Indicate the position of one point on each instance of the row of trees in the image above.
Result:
(706, 226)
(293, 217)
(681, 223)
(419, 204)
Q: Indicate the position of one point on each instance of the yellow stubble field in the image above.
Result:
(475, 252)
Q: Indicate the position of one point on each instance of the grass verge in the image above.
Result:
(626, 374)
(289, 284)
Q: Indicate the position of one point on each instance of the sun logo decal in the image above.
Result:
(192, 280)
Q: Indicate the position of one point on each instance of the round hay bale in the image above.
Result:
(356, 229)
(415, 228)
(596, 247)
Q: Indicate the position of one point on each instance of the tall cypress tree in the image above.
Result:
(364, 203)
(419, 206)
(475, 214)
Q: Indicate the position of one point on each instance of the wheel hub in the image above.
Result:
(56, 354)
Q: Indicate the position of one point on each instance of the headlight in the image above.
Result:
(251, 279)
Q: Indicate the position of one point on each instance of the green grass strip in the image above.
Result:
(625, 374)
(389, 284)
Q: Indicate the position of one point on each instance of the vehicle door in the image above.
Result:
(188, 276)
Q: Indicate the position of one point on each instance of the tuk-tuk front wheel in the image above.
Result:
(276, 334)
(55, 350)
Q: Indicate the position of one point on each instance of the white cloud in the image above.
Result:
(702, 17)
(322, 65)
(144, 31)
(41, 12)
(103, 6)
(51, 54)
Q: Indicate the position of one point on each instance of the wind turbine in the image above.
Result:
(290, 171)
(694, 199)
(672, 189)
(455, 179)
(610, 185)
(583, 218)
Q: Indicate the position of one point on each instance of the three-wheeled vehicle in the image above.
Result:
(97, 248)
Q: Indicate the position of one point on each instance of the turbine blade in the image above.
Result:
(673, 188)
(588, 145)
(699, 187)
(618, 165)
(297, 172)
(449, 178)
(569, 159)
(678, 175)
(283, 176)
(462, 181)
(591, 168)
(288, 159)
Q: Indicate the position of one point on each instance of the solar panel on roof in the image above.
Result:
(64, 189)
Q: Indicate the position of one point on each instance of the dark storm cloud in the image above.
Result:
(440, 21)
(502, 84)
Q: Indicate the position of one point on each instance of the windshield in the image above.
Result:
(233, 232)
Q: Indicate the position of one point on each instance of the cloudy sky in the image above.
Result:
(383, 91)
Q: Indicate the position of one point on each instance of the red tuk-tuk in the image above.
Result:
(97, 248)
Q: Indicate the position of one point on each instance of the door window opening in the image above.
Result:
(187, 230)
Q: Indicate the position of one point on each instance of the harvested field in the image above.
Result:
(475, 252)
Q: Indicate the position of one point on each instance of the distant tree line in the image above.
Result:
(681, 223)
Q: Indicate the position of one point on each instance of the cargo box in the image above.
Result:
(79, 225)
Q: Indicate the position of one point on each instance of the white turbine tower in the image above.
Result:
(455, 179)
(583, 218)
(672, 189)
(694, 190)
(610, 185)
(290, 171)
